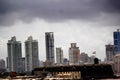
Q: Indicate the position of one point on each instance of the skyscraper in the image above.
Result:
(14, 55)
(74, 54)
(31, 54)
(49, 38)
(117, 41)
(59, 55)
(109, 52)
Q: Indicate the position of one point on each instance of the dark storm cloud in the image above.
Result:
(114, 5)
(56, 10)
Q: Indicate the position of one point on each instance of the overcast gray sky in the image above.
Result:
(89, 23)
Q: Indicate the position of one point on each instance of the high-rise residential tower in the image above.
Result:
(117, 41)
(49, 38)
(109, 52)
(31, 54)
(14, 55)
(74, 54)
(59, 56)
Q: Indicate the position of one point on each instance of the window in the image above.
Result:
(115, 42)
(116, 49)
(115, 35)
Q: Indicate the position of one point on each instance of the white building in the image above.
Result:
(59, 56)
(31, 54)
(14, 55)
(74, 54)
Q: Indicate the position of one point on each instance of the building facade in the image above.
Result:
(31, 54)
(65, 61)
(59, 56)
(117, 41)
(41, 63)
(74, 54)
(14, 55)
(109, 52)
(23, 64)
(84, 57)
(117, 64)
(49, 38)
(2, 64)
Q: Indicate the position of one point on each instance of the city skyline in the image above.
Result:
(89, 23)
(23, 52)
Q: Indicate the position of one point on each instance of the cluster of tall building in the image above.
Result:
(17, 63)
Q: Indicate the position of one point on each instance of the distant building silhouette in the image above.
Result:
(117, 41)
(31, 54)
(74, 54)
(7, 63)
(49, 38)
(109, 52)
(59, 56)
(2, 64)
(91, 59)
(14, 55)
(65, 61)
(84, 57)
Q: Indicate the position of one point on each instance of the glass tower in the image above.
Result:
(117, 41)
